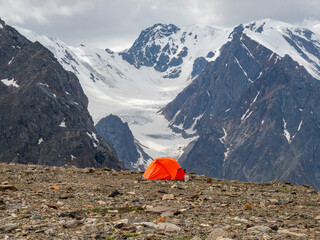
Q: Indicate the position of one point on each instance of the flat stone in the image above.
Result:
(273, 201)
(161, 209)
(217, 233)
(241, 220)
(168, 227)
(36, 217)
(8, 227)
(123, 221)
(148, 224)
(167, 214)
(72, 224)
(259, 228)
(168, 197)
(287, 232)
(256, 219)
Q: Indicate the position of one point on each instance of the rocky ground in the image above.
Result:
(39, 202)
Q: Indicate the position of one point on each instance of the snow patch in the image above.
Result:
(10, 61)
(226, 154)
(300, 124)
(1, 26)
(94, 137)
(44, 84)
(223, 139)
(245, 73)
(285, 131)
(10, 82)
(141, 162)
(247, 113)
(191, 130)
(227, 110)
(63, 124)
(299, 128)
(40, 141)
(72, 157)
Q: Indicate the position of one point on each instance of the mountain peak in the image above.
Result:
(162, 29)
(157, 31)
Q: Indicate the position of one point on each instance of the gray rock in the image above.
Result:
(168, 227)
(161, 209)
(8, 227)
(148, 224)
(217, 233)
(72, 224)
(168, 197)
(259, 228)
(36, 217)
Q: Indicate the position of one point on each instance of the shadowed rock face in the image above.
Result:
(43, 110)
(260, 116)
(120, 137)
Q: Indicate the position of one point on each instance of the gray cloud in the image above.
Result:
(116, 23)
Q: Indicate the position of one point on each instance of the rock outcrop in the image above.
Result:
(119, 135)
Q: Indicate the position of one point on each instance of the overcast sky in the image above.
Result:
(115, 24)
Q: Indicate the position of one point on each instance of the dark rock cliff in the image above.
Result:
(43, 110)
(120, 137)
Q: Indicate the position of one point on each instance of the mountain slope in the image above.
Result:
(119, 135)
(44, 117)
(256, 113)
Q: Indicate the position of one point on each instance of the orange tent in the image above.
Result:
(164, 168)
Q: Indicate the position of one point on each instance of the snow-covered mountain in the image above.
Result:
(136, 84)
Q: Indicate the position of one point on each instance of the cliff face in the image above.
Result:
(119, 135)
(257, 116)
(43, 110)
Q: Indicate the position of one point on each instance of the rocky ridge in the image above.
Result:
(39, 202)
